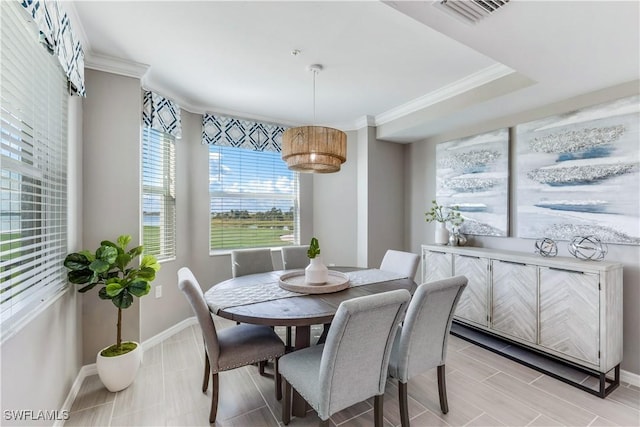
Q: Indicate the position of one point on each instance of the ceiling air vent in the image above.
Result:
(470, 11)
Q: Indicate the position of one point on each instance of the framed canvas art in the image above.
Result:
(473, 174)
(578, 174)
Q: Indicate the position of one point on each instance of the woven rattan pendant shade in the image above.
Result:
(316, 149)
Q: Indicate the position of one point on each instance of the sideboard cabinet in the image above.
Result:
(565, 307)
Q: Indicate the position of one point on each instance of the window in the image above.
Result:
(158, 194)
(254, 199)
(33, 169)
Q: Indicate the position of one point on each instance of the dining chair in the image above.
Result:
(400, 262)
(250, 261)
(295, 257)
(253, 261)
(421, 342)
(232, 347)
(351, 366)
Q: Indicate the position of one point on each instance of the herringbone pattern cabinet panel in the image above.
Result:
(514, 301)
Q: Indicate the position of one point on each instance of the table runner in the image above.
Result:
(219, 299)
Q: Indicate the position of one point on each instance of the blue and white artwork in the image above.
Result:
(578, 174)
(473, 174)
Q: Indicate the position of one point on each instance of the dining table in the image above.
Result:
(261, 300)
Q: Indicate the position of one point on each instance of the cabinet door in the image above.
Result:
(472, 305)
(436, 266)
(569, 313)
(515, 299)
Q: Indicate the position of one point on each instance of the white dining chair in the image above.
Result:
(294, 257)
(232, 347)
(421, 343)
(351, 366)
(405, 263)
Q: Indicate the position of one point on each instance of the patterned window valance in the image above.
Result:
(55, 32)
(161, 114)
(232, 132)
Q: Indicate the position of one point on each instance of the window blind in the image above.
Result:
(33, 168)
(158, 194)
(253, 199)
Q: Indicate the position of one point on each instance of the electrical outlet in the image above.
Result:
(332, 264)
(158, 291)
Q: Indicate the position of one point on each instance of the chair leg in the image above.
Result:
(214, 399)
(286, 405)
(325, 332)
(378, 409)
(261, 366)
(207, 373)
(288, 339)
(278, 380)
(442, 390)
(324, 423)
(403, 402)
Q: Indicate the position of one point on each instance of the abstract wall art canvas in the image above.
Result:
(473, 174)
(578, 174)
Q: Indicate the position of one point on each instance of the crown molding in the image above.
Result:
(115, 65)
(364, 121)
(458, 87)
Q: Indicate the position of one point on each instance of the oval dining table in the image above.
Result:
(300, 312)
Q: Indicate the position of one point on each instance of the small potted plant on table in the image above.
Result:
(109, 266)
(316, 272)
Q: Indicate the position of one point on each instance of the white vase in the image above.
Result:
(316, 272)
(442, 234)
(118, 372)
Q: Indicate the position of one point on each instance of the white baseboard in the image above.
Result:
(156, 339)
(630, 377)
(88, 370)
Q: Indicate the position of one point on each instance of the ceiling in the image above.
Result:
(406, 67)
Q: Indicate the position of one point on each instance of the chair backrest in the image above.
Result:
(250, 261)
(356, 353)
(400, 262)
(424, 333)
(192, 290)
(294, 257)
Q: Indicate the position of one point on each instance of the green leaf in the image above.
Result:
(76, 261)
(114, 289)
(123, 241)
(123, 300)
(102, 293)
(139, 288)
(137, 251)
(123, 260)
(147, 274)
(90, 256)
(87, 288)
(150, 261)
(107, 254)
(100, 266)
(80, 277)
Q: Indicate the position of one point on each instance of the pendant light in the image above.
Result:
(314, 149)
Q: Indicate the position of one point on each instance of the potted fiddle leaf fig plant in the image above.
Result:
(316, 272)
(110, 267)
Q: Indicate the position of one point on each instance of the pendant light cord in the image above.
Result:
(314, 96)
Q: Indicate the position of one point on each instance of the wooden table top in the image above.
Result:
(300, 310)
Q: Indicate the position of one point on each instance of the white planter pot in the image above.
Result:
(316, 272)
(442, 234)
(118, 372)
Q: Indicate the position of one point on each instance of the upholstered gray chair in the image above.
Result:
(250, 261)
(294, 257)
(351, 366)
(421, 343)
(400, 262)
(229, 348)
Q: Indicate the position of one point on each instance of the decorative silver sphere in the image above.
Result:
(588, 248)
(546, 247)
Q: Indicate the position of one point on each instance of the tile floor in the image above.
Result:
(484, 389)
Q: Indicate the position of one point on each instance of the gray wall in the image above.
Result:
(111, 195)
(420, 176)
(41, 361)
